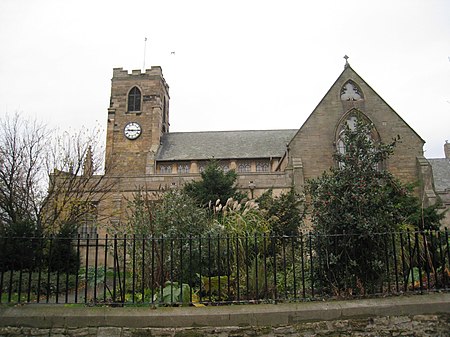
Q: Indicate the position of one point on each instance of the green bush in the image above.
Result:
(351, 206)
(214, 185)
(286, 212)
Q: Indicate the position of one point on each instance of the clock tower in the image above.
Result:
(138, 115)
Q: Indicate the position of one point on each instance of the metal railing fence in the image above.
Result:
(148, 270)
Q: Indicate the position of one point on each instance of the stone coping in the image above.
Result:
(52, 316)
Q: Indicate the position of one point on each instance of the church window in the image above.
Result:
(351, 92)
(262, 166)
(134, 99)
(88, 223)
(165, 169)
(244, 167)
(183, 168)
(350, 122)
(340, 146)
(225, 167)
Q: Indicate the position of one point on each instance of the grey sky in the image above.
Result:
(237, 64)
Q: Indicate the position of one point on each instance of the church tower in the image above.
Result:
(138, 115)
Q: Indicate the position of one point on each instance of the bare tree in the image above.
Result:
(23, 146)
(77, 183)
(47, 181)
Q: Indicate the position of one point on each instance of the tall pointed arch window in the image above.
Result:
(134, 99)
(88, 222)
(350, 122)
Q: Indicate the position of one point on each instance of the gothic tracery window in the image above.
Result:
(351, 92)
(244, 167)
(225, 168)
(88, 223)
(350, 123)
(183, 168)
(134, 99)
(165, 169)
(262, 166)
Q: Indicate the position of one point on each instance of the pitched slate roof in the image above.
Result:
(441, 173)
(223, 144)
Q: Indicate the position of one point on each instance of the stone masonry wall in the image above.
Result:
(129, 157)
(315, 144)
(413, 315)
(417, 325)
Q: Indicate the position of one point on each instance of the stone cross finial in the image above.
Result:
(346, 61)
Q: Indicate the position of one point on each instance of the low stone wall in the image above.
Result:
(418, 325)
(419, 315)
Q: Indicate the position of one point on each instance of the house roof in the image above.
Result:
(441, 173)
(224, 144)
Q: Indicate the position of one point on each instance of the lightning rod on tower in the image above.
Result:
(145, 49)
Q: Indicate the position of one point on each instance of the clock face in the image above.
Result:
(132, 130)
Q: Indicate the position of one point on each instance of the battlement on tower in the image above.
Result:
(155, 72)
(121, 73)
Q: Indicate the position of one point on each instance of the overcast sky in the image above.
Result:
(237, 64)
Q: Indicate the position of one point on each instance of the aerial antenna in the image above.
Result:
(145, 49)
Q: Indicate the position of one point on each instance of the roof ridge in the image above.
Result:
(224, 131)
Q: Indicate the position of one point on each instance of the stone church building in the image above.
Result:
(142, 153)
